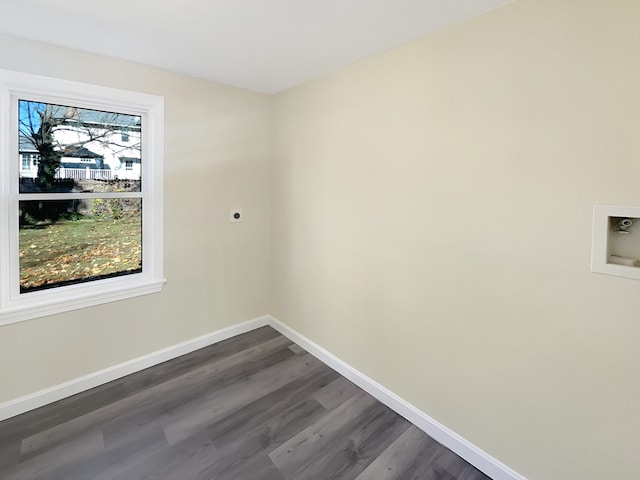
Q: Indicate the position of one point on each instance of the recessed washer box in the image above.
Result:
(615, 248)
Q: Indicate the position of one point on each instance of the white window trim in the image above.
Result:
(14, 306)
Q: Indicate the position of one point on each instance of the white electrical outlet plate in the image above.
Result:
(235, 215)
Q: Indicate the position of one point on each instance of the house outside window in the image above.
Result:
(50, 261)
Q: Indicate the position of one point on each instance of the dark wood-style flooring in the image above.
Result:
(253, 407)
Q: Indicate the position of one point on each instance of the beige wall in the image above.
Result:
(217, 158)
(431, 226)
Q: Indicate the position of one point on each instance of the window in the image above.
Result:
(128, 164)
(29, 161)
(76, 240)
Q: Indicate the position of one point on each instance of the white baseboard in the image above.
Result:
(77, 385)
(471, 453)
(465, 449)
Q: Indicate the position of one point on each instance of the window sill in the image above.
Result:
(75, 302)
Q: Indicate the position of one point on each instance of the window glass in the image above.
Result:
(82, 240)
(79, 148)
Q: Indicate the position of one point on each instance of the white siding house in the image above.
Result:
(99, 145)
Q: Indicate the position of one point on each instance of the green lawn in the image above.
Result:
(79, 250)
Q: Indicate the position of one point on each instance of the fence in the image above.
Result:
(84, 173)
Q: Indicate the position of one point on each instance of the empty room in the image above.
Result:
(320, 240)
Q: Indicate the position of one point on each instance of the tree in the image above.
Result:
(37, 124)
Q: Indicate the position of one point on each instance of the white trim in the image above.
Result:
(465, 449)
(121, 289)
(77, 385)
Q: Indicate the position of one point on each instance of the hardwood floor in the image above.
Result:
(254, 407)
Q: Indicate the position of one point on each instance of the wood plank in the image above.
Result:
(259, 441)
(402, 458)
(267, 408)
(336, 393)
(188, 420)
(342, 443)
(298, 350)
(41, 465)
(113, 460)
(187, 459)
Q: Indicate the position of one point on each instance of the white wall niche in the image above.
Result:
(615, 248)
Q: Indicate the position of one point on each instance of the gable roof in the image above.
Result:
(79, 152)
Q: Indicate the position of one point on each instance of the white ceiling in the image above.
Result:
(262, 45)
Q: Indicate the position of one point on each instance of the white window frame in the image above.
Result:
(16, 306)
